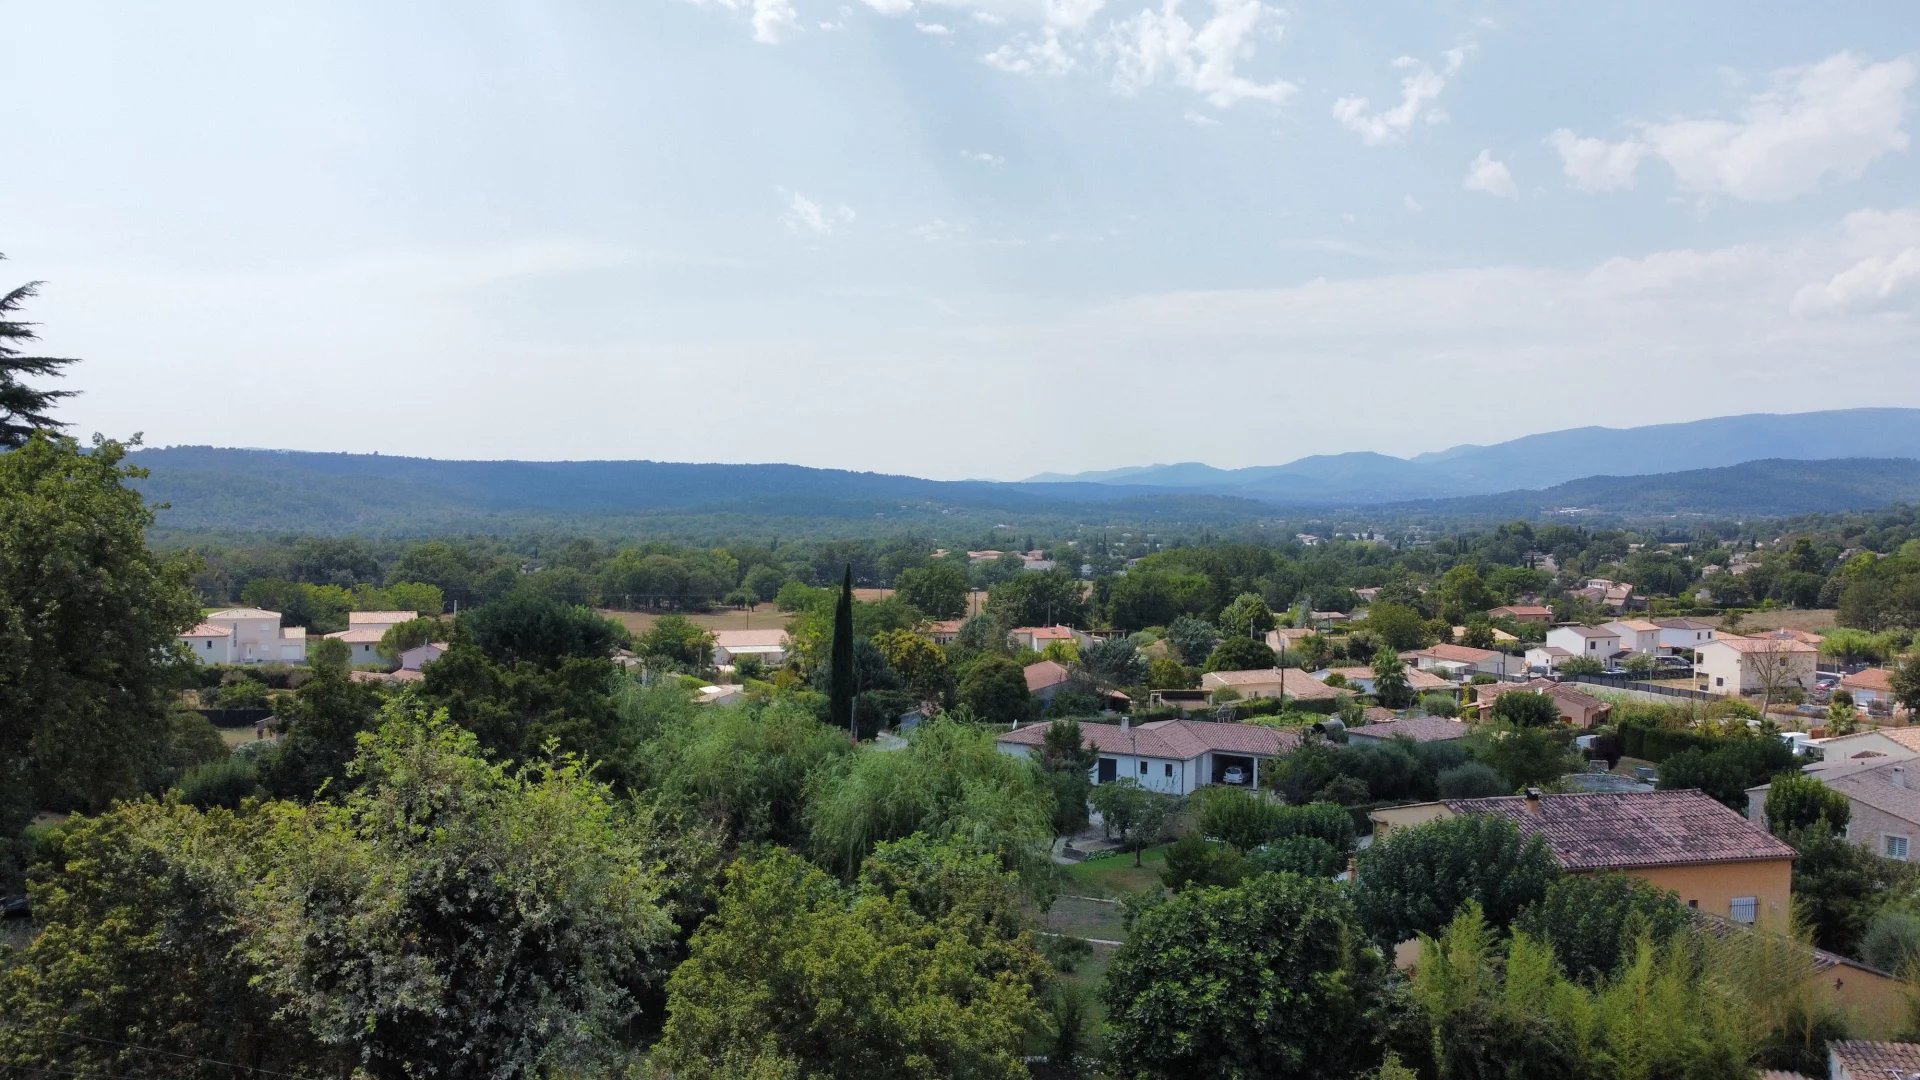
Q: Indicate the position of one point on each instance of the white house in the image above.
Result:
(1683, 636)
(1546, 658)
(1871, 743)
(1459, 661)
(363, 644)
(1636, 635)
(1730, 664)
(1270, 683)
(418, 657)
(767, 646)
(246, 636)
(1591, 642)
(1175, 757)
(1870, 686)
(1038, 638)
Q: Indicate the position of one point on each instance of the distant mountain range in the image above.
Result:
(1539, 461)
(1815, 462)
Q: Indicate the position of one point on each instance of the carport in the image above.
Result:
(1218, 763)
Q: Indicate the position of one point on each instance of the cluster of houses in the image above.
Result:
(255, 636)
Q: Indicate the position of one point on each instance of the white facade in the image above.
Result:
(420, 656)
(363, 646)
(1636, 636)
(246, 636)
(1165, 775)
(1738, 665)
(1685, 638)
(1592, 642)
(1546, 657)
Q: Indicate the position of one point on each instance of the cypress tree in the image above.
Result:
(840, 687)
(24, 409)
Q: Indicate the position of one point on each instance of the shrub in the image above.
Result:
(225, 783)
(1439, 705)
(1308, 856)
(1470, 781)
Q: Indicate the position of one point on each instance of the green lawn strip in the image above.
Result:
(1114, 876)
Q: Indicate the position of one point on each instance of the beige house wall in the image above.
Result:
(1711, 887)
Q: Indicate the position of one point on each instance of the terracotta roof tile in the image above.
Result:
(389, 617)
(1421, 729)
(1865, 1060)
(244, 613)
(1044, 674)
(1294, 683)
(207, 629)
(749, 639)
(1873, 678)
(1175, 740)
(1624, 830)
(1459, 654)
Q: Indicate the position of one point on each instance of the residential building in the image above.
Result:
(1500, 637)
(1037, 638)
(363, 644)
(1869, 686)
(246, 636)
(1577, 707)
(1324, 620)
(720, 694)
(1547, 658)
(1459, 661)
(1288, 638)
(1730, 664)
(1360, 680)
(418, 657)
(1591, 642)
(1636, 635)
(1615, 596)
(1884, 797)
(1716, 860)
(1522, 613)
(945, 631)
(1420, 729)
(1270, 683)
(1683, 636)
(1047, 678)
(1886, 742)
(381, 621)
(1176, 757)
(769, 647)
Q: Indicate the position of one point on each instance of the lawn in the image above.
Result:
(1114, 876)
(1087, 975)
(1076, 916)
(763, 617)
(1815, 620)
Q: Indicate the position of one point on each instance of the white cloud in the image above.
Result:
(770, 18)
(1490, 176)
(891, 7)
(984, 157)
(1875, 282)
(1595, 164)
(1815, 125)
(1418, 91)
(1027, 55)
(805, 217)
(1200, 119)
(1411, 203)
(934, 29)
(1162, 46)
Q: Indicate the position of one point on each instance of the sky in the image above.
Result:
(958, 238)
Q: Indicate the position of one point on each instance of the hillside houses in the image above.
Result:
(1460, 661)
(1588, 642)
(245, 636)
(1175, 757)
(1730, 664)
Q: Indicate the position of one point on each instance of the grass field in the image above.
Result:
(1115, 875)
(1081, 918)
(763, 617)
(1815, 620)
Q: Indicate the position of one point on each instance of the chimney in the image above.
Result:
(1899, 776)
(1533, 800)
(1126, 724)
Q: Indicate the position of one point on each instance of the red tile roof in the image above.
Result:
(1459, 654)
(1873, 678)
(1176, 740)
(207, 629)
(1864, 1060)
(1044, 674)
(1418, 728)
(1624, 830)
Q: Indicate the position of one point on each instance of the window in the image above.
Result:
(1718, 681)
(1745, 909)
(1143, 768)
(1897, 847)
(1695, 904)
(1169, 768)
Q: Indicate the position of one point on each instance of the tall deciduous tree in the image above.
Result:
(1273, 979)
(840, 688)
(89, 619)
(1797, 801)
(938, 588)
(1417, 879)
(24, 409)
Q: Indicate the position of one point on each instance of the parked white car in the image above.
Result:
(1234, 775)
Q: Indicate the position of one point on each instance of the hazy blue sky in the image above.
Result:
(958, 237)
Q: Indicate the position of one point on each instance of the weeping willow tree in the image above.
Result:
(1698, 1006)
